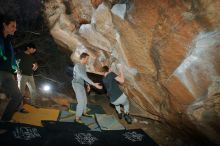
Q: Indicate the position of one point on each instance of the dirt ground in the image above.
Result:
(163, 134)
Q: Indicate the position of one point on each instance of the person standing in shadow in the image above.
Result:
(7, 67)
(26, 67)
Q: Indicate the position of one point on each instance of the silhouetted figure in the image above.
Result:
(26, 67)
(8, 67)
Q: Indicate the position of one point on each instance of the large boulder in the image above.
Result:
(169, 50)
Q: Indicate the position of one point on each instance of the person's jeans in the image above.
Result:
(9, 86)
(24, 80)
(123, 100)
(81, 99)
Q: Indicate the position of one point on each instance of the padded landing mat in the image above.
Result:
(56, 126)
(59, 134)
(35, 115)
(93, 109)
(108, 122)
(17, 134)
(83, 138)
(91, 123)
(134, 137)
(66, 116)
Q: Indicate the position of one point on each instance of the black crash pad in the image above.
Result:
(21, 135)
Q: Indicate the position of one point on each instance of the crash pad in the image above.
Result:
(61, 133)
(35, 115)
(108, 122)
(66, 116)
(18, 134)
(93, 108)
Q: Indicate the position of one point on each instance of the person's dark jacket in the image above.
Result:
(7, 56)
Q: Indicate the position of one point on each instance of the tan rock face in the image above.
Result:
(96, 3)
(169, 50)
(82, 10)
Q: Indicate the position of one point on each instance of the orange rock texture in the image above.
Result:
(170, 50)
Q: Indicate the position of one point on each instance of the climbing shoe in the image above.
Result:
(128, 119)
(79, 121)
(71, 111)
(23, 111)
(88, 115)
(120, 115)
